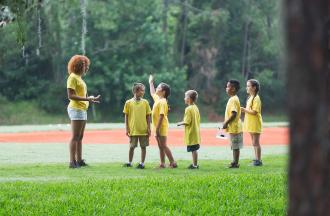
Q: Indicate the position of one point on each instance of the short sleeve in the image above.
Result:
(187, 117)
(162, 108)
(126, 108)
(71, 83)
(155, 97)
(233, 106)
(148, 108)
(256, 105)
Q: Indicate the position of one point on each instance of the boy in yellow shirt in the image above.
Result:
(137, 120)
(191, 121)
(233, 124)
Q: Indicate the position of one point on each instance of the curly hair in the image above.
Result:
(78, 64)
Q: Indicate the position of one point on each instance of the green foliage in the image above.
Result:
(201, 48)
(104, 189)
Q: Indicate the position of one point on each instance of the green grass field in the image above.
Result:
(109, 189)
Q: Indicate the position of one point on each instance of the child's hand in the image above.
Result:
(127, 132)
(151, 78)
(149, 132)
(179, 123)
(243, 109)
(225, 125)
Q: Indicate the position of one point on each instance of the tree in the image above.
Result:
(308, 73)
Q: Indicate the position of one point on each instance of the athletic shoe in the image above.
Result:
(233, 165)
(140, 166)
(73, 165)
(257, 163)
(191, 166)
(127, 165)
(173, 165)
(82, 163)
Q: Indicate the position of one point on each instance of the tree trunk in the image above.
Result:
(309, 105)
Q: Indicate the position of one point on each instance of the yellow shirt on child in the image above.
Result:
(160, 107)
(137, 112)
(253, 123)
(192, 125)
(76, 83)
(233, 105)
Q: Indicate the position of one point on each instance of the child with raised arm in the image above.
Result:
(160, 120)
(233, 124)
(137, 120)
(253, 119)
(191, 121)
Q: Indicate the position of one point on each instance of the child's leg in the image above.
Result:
(76, 126)
(256, 145)
(79, 144)
(143, 154)
(167, 151)
(236, 155)
(161, 151)
(130, 154)
(195, 158)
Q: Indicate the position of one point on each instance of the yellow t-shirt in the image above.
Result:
(137, 111)
(192, 127)
(79, 86)
(234, 126)
(253, 123)
(160, 107)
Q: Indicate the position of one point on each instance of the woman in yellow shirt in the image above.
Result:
(160, 120)
(77, 108)
(253, 118)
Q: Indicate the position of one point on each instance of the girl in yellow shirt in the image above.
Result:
(253, 118)
(160, 120)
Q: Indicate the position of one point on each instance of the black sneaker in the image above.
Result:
(140, 166)
(73, 165)
(191, 166)
(233, 165)
(82, 163)
(257, 163)
(127, 165)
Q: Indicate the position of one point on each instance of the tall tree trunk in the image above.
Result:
(165, 11)
(309, 105)
(184, 32)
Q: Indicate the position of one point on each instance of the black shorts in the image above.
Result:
(192, 148)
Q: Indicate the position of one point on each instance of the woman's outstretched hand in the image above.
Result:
(94, 99)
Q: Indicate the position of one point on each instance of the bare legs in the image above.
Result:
(256, 144)
(78, 128)
(164, 150)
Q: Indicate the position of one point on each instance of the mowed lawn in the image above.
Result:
(109, 189)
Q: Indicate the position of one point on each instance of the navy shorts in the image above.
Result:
(192, 148)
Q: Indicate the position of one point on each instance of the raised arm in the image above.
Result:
(151, 85)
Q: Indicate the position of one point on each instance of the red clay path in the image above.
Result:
(270, 136)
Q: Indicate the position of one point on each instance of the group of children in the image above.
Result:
(139, 118)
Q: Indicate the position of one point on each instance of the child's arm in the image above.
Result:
(181, 123)
(151, 85)
(252, 112)
(148, 123)
(161, 117)
(231, 118)
(127, 126)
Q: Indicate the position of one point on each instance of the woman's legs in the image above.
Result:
(79, 144)
(76, 126)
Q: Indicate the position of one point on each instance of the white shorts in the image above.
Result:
(77, 114)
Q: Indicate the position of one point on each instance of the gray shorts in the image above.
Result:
(77, 114)
(236, 141)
